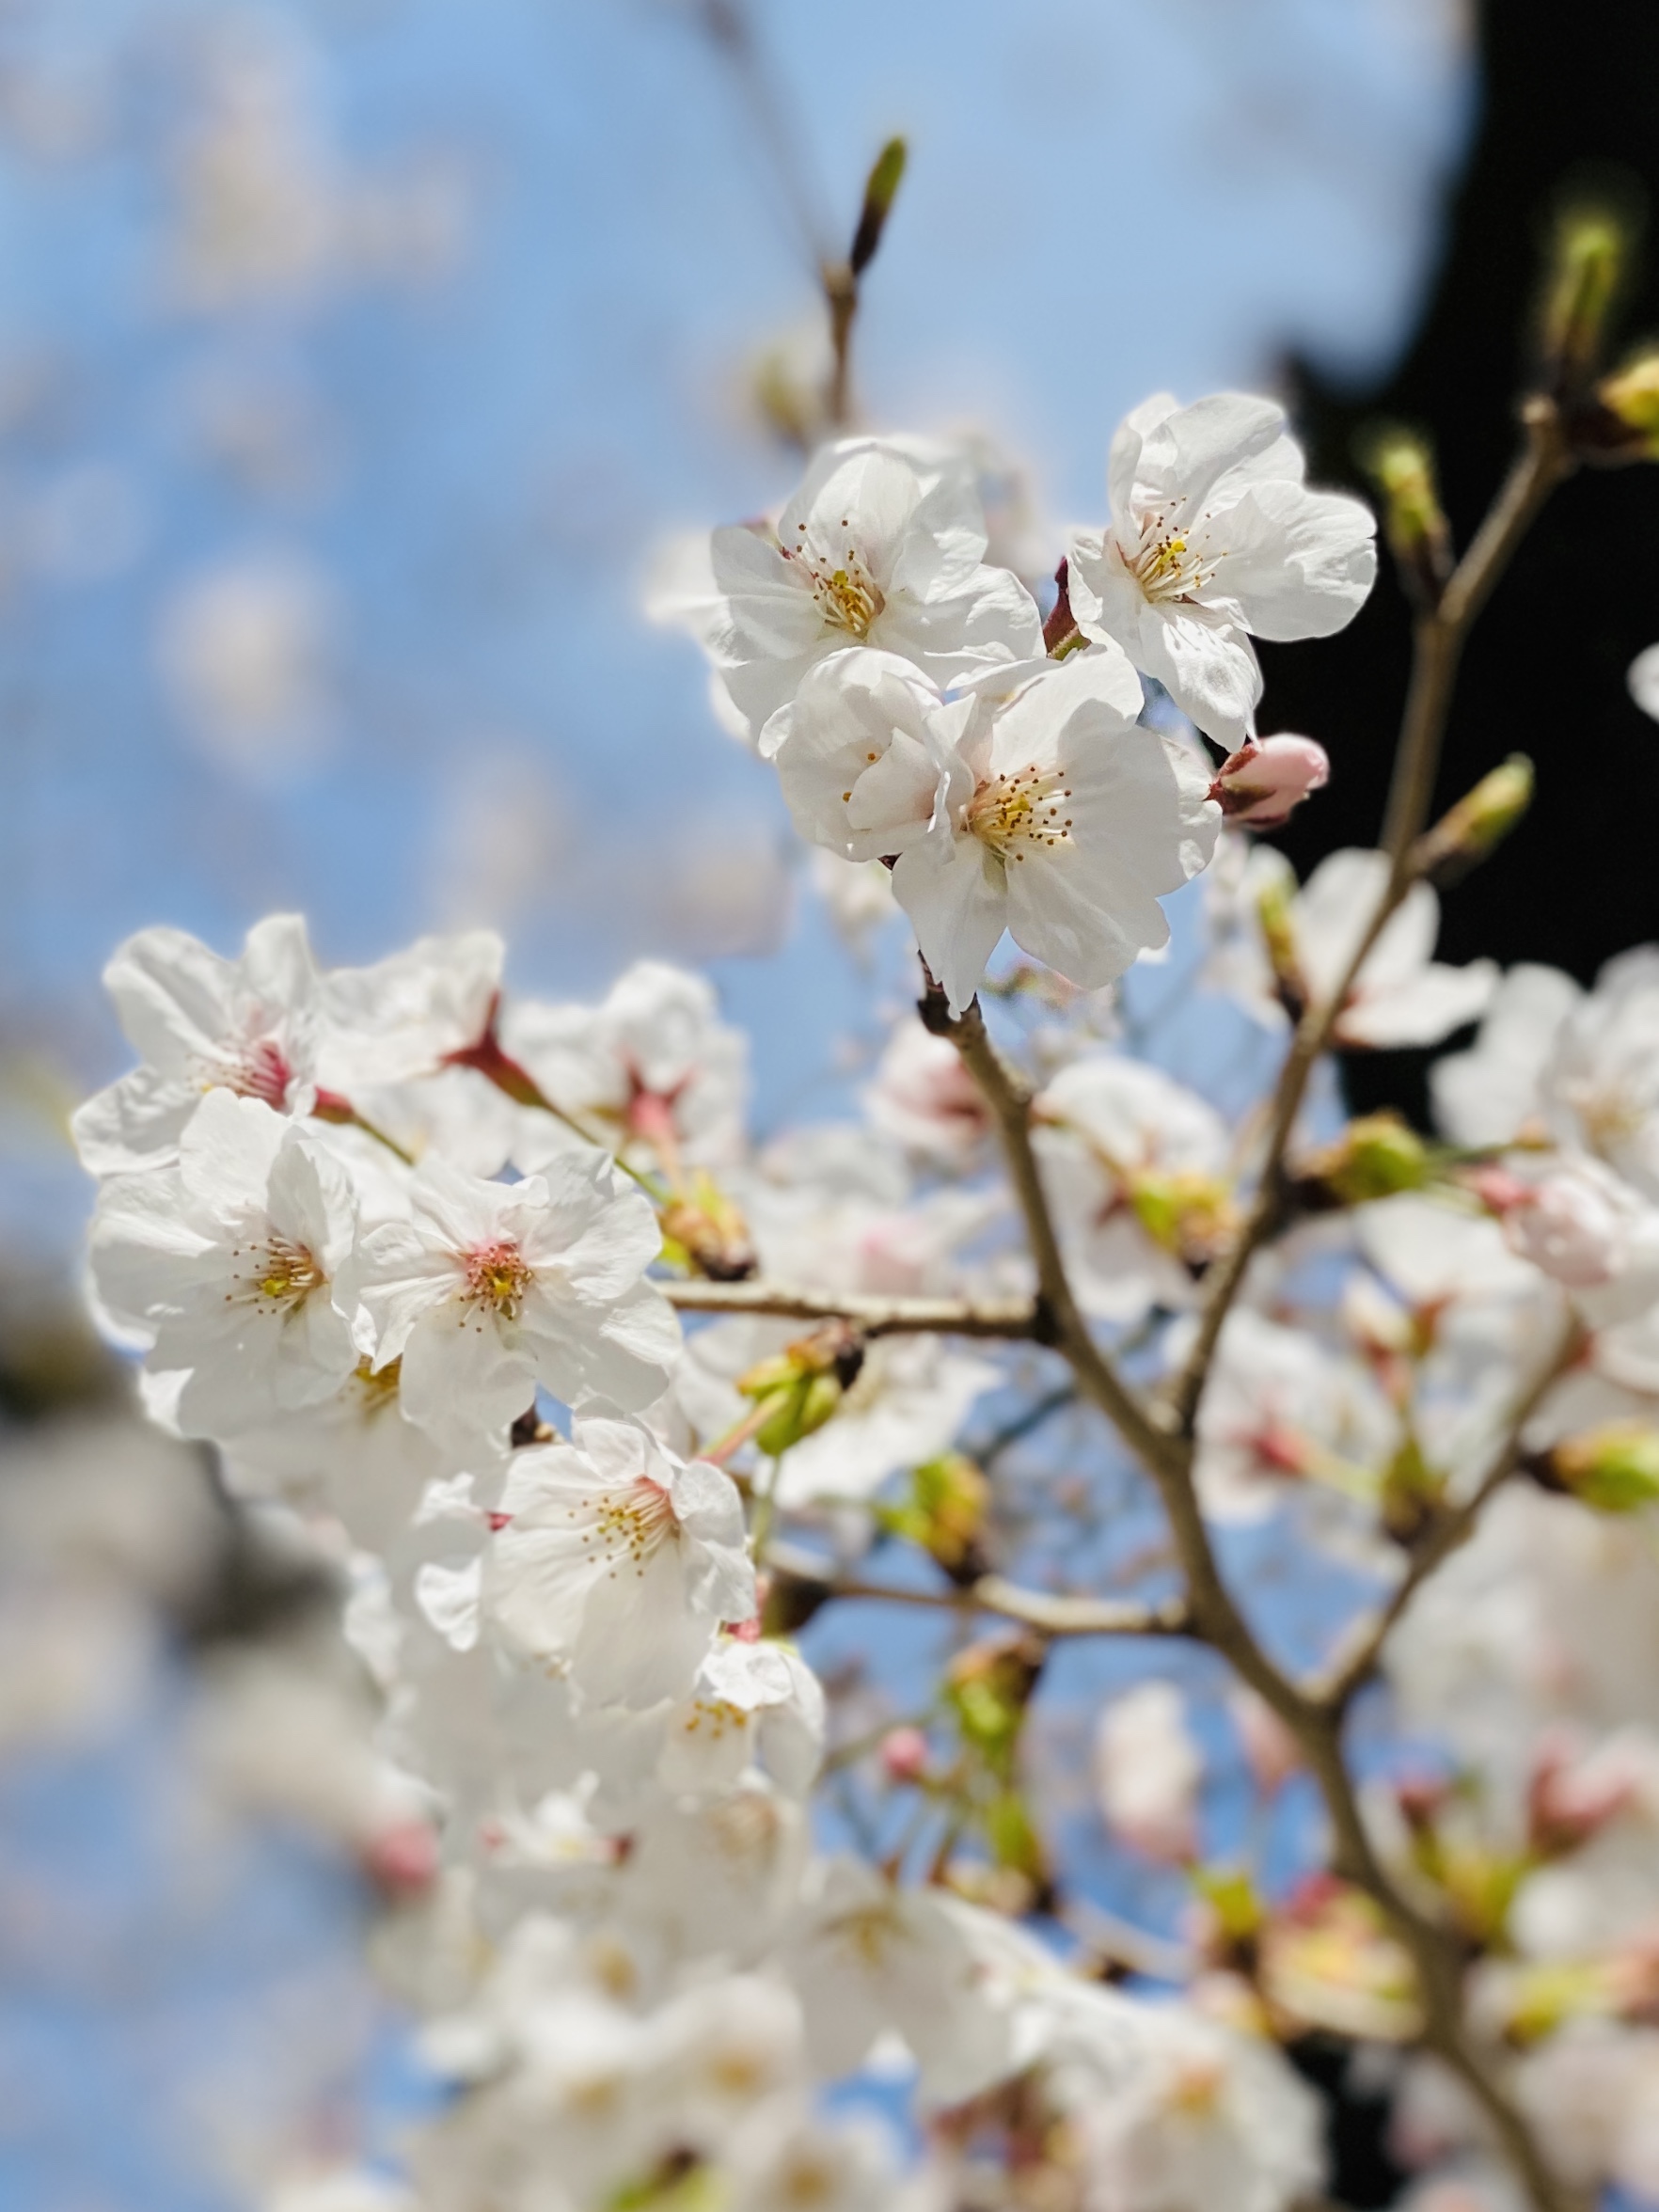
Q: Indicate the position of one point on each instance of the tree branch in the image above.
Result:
(1445, 1536)
(1438, 646)
(1212, 1615)
(1058, 1319)
(1008, 1317)
(1051, 1613)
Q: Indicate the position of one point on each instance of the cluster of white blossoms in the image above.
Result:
(592, 1405)
(918, 712)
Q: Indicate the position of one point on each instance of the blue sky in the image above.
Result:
(471, 462)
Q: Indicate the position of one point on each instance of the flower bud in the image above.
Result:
(1586, 265)
(1621, 419)
(944, 1513)
(904, 1753)
(1259, 785)
(1278, 935)
(705, 1231)
(1190, 1215)
(1572, 1796)
(1402, 468)
(1480, 822)
(1613, 1468)
(1375, 1156)
(802, 1385)
(881, 189)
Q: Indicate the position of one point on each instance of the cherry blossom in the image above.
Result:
(489, 1288)
(620, 1560)
(1139, 1167)
(226, 1267)
(653, 1071)
(882, 545)
(1213, 539)
(250, 1026)
(1403, 995)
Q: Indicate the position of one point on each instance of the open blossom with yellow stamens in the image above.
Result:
(1063, 822)
(882, 545)
(1054, 816)
(619, 1560)
(490, 1288)
(223, 1267)
(1215, 539)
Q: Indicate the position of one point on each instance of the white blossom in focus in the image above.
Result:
(404, 1016)
(1214, 538)
(490, 1288)
(1056, 817)
(620, 1560)
(226, 1266)
(882, 545)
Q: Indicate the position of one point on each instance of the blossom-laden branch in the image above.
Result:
(1437, 648)
(1010, 1319)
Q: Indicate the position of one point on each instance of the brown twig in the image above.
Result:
(1010, 1318)
(1445, 1536)
(1051, 1613)
(1437, 648)
(1213, 1617)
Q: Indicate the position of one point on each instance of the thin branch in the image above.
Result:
(1058, 1320)
(1438, 647)
(1008, 1317)
(1445, 1536)
(1049, 1613)
(1214, 1617)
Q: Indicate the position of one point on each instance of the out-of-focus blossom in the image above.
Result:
(247, 649)
(1149, 1771)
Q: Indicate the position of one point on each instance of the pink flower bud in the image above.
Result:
(402, 1860)
(1260, 783)
(904, 1754)
(1572, 1793)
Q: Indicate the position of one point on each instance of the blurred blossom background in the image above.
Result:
(356, 359)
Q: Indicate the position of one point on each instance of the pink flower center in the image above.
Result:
(258, 1070)
(497, 1276)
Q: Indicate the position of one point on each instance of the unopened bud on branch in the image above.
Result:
(1480, 822)
(1401, 465)
(1259, 785)
(707, 1233)
(1613, 1468)
(1375, 1156)
(1586, 265)
(1620, 422)
(881, 189)
(801, 1386)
